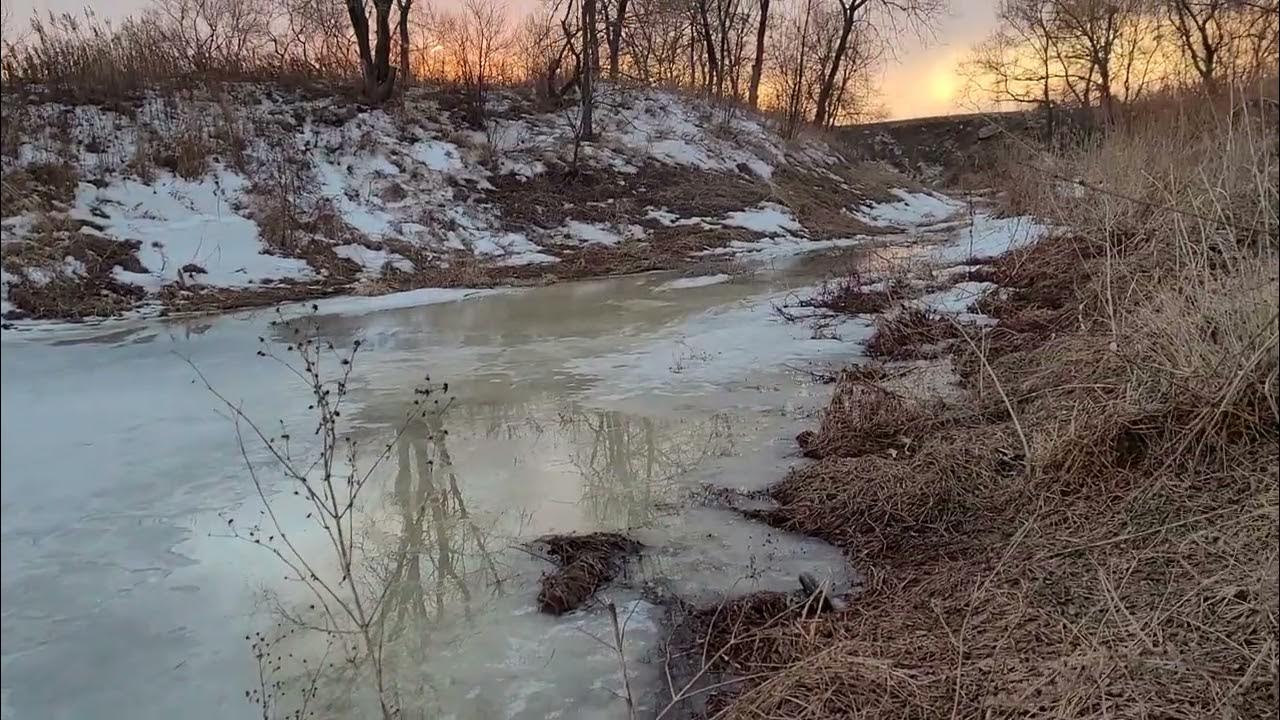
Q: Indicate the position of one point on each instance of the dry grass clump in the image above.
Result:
(853, 294)
(586, 562)
(38, 186)
(864, 418)
(911, 333)
(1104, 543)
(876, 503)
(44, 285)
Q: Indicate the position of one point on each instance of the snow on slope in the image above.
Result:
(182, 223)
(402, 189)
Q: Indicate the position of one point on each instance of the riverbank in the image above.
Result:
(253, 194)
(1062, 490)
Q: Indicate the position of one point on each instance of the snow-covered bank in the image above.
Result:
(256, 193)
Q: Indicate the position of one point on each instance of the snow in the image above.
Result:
(682, 131)
(183, 221)
(528, 258)
(502, 244)
(955, 299)
(665, 217)
(354, 305)
(768, 218)
(911, 210)
(437, 155)
(693, 282)
(577, 231)
(372, 261)
(782, 246)
(987, 237)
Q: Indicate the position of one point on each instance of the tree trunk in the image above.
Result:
(375, 63)
(827, 88)
(586, 83)
(757, 64)
(713, 66)
(360, 26)
(405, 6)
(615, 40)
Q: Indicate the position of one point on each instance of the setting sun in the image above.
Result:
(942, 85)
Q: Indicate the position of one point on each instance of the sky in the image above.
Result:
(920, 81)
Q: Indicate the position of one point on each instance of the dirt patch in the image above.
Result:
(586, 563)
(196, 298)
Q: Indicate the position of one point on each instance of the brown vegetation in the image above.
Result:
(586, 563)
(1093, 530)
(911, 333)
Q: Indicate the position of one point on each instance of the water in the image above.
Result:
(583, 406)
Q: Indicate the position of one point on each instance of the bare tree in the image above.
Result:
(403, 7)
(852, 13)
(703, 10)
(378, 75)
(227, 34)
(477, 39)
(1224, 39)
(1016, 63)
(615, 16)
(757, 63)
(587, 72)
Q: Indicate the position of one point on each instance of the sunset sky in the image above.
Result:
(921, 81)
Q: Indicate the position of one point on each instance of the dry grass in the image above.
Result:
(602, 195)
(45, 286)
(911, 333)
(821, 202)
(38, 187)
(1124, 564)
(852, 294)
(586, 562)
(864, 418)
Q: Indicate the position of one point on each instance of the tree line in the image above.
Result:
(1103, 54)
(810, 61)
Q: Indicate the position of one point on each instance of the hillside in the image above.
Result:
(253, 194)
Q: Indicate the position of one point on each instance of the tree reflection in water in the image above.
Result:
(628, 463)
(438, 563)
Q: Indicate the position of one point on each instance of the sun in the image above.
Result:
(942, 85)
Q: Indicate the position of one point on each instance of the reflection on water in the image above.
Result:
(444, 531)
(626, 462)
(119, 476)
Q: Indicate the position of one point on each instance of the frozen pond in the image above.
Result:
(584, 406)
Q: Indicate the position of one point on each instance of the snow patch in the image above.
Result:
(989, 237)
(182, 221)
(693, 282)
(955, 299)
(394, 301)
(576, 231)
(769, 218)
(913, 209)
(372, 261)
